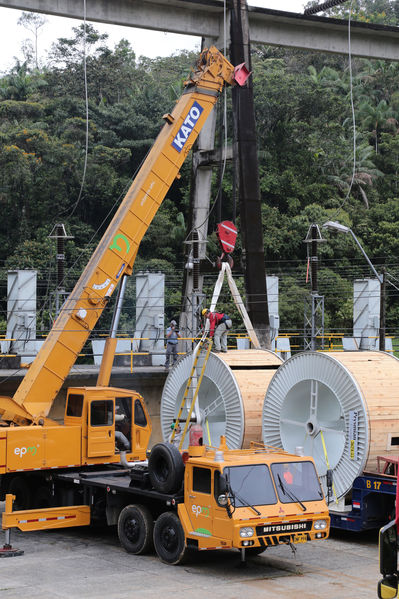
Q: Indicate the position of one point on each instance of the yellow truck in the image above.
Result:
(388, 550)
(203, 499)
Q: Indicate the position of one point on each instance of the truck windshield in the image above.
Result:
(296, 480)
(251, 485)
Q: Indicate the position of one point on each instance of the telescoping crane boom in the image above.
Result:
(117, 250)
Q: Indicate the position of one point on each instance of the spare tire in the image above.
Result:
(166, 468)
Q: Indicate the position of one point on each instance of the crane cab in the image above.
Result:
(111, 420)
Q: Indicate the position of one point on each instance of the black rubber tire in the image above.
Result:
(135, 529)
(166, 468)
(42, 498)
(20, 487)
(254, 551)
(169, 540)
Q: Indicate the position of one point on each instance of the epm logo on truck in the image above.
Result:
(187, 127)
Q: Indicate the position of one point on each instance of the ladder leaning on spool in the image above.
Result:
(202, 349)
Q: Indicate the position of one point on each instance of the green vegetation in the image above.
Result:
(305, 143)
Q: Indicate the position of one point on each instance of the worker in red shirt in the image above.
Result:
(219, 324)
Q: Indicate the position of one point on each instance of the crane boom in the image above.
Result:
(117, 250)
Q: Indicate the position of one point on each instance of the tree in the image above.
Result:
(376, 118)
(33, 22)
(18, 84)
(365, 171)
(385, 12)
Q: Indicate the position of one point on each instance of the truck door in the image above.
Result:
(141, 430)
(100, 429)
(200, 500)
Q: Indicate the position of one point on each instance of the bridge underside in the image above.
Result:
(205, 18)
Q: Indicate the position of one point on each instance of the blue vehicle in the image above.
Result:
(373, 503)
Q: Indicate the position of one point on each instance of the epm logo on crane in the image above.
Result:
(187, 127)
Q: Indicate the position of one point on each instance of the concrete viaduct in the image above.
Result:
(205, 18)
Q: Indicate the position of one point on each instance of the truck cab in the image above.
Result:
(99, 423)
(251, 499)
(111, 420)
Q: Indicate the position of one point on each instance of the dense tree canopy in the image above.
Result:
(306, 137)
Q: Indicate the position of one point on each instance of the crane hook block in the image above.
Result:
(226, 233)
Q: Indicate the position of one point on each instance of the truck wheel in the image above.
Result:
(43, 498)
(254, 551)
(169, 540)
(166, 468)
(135, 527)
(19, 487)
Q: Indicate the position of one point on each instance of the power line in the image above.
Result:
(322, 7)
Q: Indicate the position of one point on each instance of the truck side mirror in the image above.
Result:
(388, 587)
(222, 484)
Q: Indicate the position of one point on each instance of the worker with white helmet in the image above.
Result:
(219, 324)
(172, 337)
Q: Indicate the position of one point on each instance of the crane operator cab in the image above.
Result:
(123, 423)
(111, 420)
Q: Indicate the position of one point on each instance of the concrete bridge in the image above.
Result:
(205, 18)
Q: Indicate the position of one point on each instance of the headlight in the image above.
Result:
(320, 525)
(247, 531)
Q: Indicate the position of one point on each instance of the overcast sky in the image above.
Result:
(143, 42)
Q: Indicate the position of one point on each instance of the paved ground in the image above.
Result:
(90, 564)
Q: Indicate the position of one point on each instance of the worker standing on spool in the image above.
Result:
(219, 325)
(172, 337)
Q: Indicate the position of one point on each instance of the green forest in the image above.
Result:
(306, 138)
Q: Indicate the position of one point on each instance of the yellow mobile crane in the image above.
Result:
(68, 475)
(30, 442)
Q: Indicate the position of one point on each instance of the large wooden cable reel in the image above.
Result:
(341, 407)
(231, 395)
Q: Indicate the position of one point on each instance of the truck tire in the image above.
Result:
(20, 487)
(169, 540)
(166, 468)
(254, 551)
(135, 528)
(43, 498)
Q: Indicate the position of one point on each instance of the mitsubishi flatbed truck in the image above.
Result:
(203, 499)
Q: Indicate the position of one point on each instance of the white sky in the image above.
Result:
(143, 42)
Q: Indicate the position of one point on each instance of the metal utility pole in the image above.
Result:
(382, 309)
(246, 164)
(60, 235)
(314, 306)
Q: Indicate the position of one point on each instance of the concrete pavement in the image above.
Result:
(88, 563)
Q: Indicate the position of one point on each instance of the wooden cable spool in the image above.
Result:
(233, 390)
(253, 370)
(341, 407)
